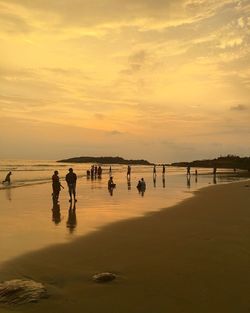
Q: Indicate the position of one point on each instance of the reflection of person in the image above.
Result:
(163, 181)
(154, 180)
(7, 178)
(56, 186)
(56, 214)
(129, 172)
(71, 222)
(129, 184)
(188, 181)
(71, 181)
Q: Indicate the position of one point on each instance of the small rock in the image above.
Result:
(18, 291)
(104, 277)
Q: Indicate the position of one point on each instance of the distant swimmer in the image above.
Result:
(71, 179)
(7, 178)
(56, 186)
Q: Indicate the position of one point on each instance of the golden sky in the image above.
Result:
(164, 80)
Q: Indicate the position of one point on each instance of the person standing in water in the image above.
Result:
(71, 179)
(56, 186)
(7, 178)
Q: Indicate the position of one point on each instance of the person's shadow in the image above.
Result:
(71, 222)
(56, 214)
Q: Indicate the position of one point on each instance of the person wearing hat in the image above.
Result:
(71, 181)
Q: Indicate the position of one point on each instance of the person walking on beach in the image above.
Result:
(7, 178)
(71, 179)
(56, 186)
(188, 170)
(163, 169)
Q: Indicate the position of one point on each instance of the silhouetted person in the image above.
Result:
(56, 214)
(71, 222)
(110, 171)
(215, 170)
(7, 178)
(154, 170)
(56, 186)
(141, 186)
(163, 169)
(188, 170)
(111, 183)
(88, 174)
(92, 171)
(71, 179)
(196, 176)
(128, 171)
(99, 172)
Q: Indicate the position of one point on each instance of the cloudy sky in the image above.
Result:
(164, 80)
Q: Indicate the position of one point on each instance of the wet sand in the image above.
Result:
(193, 257)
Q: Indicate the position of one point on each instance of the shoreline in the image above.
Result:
(192, 257)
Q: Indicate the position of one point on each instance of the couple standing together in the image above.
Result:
(70, 178)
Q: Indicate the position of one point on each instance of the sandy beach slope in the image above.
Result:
(193, 257)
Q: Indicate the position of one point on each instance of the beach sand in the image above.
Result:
(193, 257)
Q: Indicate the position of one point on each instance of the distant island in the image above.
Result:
(104, 160)
(229, 161)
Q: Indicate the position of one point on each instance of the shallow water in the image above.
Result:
(30, 221)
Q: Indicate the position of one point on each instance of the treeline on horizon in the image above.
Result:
(229, 161)
(104, 160)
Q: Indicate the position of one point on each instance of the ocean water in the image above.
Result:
(30, 220)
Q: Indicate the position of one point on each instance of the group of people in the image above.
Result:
(95, 171)
(71, 179)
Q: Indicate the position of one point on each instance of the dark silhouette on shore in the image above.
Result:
(111, 185)
(188, 170)
(71, 179)
(56, 186)
(163, 169)
(141, 186)
(71, 221)
(7, 179)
